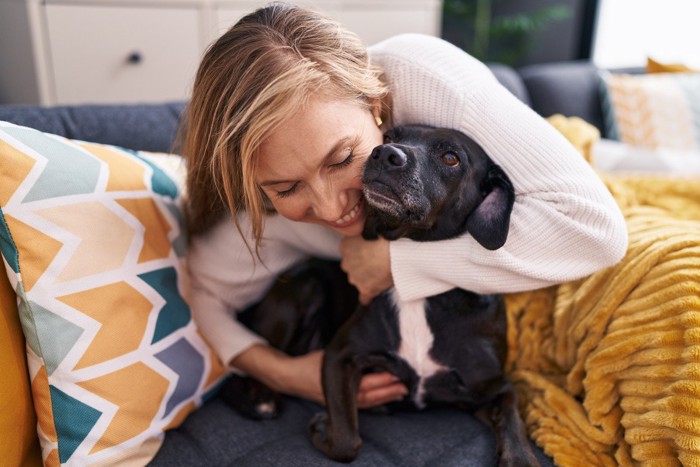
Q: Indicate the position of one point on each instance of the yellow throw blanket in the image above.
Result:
(608, 367)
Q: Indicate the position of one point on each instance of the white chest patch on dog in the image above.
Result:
(416, 342)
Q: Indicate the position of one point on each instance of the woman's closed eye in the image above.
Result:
(345, 162)
(338, 165)
(288, 191)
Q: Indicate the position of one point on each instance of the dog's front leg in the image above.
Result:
(250, 398)
(336, 432)
(512, 444)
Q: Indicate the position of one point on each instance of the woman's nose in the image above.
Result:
(328, 204)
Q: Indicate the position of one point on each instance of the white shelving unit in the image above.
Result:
(123, 51)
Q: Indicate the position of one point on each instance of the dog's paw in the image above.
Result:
(519, 458)
(250, 398)
(341, 450)
(318, 431)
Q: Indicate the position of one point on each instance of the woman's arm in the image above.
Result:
(226, 277)
(564, 225)
(301, 376)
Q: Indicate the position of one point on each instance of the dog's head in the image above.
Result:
(429, 183)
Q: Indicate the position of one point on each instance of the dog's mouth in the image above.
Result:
(384, 199)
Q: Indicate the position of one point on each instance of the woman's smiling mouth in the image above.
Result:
(351, 217)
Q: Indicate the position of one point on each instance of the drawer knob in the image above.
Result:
(134, 58)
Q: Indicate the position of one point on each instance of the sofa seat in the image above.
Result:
(216, 435)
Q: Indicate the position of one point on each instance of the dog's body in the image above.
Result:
(428, 184)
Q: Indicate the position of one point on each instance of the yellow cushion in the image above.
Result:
(19, 444)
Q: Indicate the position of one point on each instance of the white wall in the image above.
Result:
(629, 31)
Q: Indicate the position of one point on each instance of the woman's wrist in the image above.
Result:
(295, 376)
(263, 363)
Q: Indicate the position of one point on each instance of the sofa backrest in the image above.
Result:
(569, 88)
(147, 127)
(512, 81)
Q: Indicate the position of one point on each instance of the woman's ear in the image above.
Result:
(489, 222)
(376, 110)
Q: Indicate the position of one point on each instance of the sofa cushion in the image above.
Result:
(659, 110)
(93, 243)
(216, 435)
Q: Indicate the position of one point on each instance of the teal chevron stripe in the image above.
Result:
(68, 171)
(73, 420)
(161, 182)
(56, 335)
(26, 319)
(189, 365)
(180, 242)
(7, 245)
(175, 314)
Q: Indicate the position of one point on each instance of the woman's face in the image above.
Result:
(310, 166)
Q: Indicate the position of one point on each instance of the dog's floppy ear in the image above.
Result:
(488, 223)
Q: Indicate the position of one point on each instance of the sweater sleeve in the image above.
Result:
(564, 225)
(226, 278)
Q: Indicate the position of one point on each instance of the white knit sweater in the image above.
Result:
(564, 224)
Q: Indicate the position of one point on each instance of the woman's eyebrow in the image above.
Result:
(336, 147)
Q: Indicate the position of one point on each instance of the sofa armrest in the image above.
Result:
(19, 444)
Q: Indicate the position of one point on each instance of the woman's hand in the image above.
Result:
(367, 265)
(301, 376)
(378, 389)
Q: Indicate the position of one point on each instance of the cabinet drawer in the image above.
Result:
(382, 20)
(372, 20)
(122, 54)
(227, 12)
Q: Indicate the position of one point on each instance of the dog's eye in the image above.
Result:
(450, 159)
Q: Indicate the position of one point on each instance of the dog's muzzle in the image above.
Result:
(391, 184)
(390, 157)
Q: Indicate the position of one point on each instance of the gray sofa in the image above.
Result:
(214, 434)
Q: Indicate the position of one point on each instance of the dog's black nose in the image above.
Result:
(390, 156)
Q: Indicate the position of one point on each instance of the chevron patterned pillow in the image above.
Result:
(654, 111)
(92, 239)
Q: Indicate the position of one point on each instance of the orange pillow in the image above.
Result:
(657, 67)
(19, 444)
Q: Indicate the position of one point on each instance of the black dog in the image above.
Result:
(301, 312)
(428, 184)
(424, 184)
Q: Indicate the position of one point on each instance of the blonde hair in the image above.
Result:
(249, 81)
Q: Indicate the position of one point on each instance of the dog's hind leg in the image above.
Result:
(512, 444)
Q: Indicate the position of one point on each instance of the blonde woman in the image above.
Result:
(286, 107)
